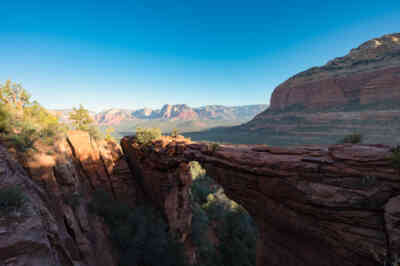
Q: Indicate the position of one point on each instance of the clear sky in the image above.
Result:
(131, 54)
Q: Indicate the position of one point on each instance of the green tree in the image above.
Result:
(80, 118)
(14, 94)
(146, 135)
(109, 132)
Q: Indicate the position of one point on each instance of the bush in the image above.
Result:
(23, 122)
(354, 138)
(94, 132)
(236, 231)
(139, 234)
(175, 133)
(146, 135)
(395, 157)
(4, 119)
(196, 170)
(11, 199)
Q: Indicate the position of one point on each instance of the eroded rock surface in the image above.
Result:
(359, 92)
(58, 183)
(368, 74)
(166, 186)
(314, 205)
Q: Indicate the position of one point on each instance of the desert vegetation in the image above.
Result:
(140, 235)
(81, 120)
(354, 138)
(146, 135)
(222, 230)
(23, 122)
(11, 199)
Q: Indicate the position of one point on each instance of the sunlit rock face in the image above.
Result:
(57, 227)
(359, 92)
(368, 74)
(314, 205)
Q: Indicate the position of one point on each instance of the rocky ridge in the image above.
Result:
(56, 226)
(359, 92)
(369, 73)
(314, 205)
(180, 112)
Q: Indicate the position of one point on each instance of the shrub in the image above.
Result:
(11, 199)
(4, 119)
(94, 132)
(354, 138)
(146, 135)
(395, 157)
(139, 234)
(81, 118)
(174, 133)
(109, 132)
(23, 141)
(196, 170)
(201, 188)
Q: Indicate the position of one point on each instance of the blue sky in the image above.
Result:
(131, 54)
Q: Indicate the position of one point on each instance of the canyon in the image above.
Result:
(313, 205)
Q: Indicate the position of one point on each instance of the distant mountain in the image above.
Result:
(180, 112)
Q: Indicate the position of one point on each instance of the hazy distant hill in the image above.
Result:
(181, 112)
(169, 117)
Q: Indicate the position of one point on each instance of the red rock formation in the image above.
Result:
(368, 74)
(64, 179)
(166, 185)
(359, 92)
(314, 205)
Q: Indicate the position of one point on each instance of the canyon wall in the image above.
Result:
(356, 93)
(314, 205)
(369, 73)
(56, 227)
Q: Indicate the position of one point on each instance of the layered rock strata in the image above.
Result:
(369, 73)
(314, 205)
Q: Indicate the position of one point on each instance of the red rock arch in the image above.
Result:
(314, 205)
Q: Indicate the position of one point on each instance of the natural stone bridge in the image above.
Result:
(314, 205)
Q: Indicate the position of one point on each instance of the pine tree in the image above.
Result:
(80, 118)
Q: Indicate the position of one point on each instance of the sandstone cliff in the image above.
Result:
(368, 74)
(314, 205)
(359, 92)
(55, 227)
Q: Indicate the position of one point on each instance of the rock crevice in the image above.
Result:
(314, 205)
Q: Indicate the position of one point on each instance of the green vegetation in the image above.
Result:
(168, 126)
(11, 199)
(354, 138)
(23, 122)
(214, 147)
(395, 158)
(146, 135)
(174, 133)
(81, 120)
(139, 234)
(109, 132)
(231, 224)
